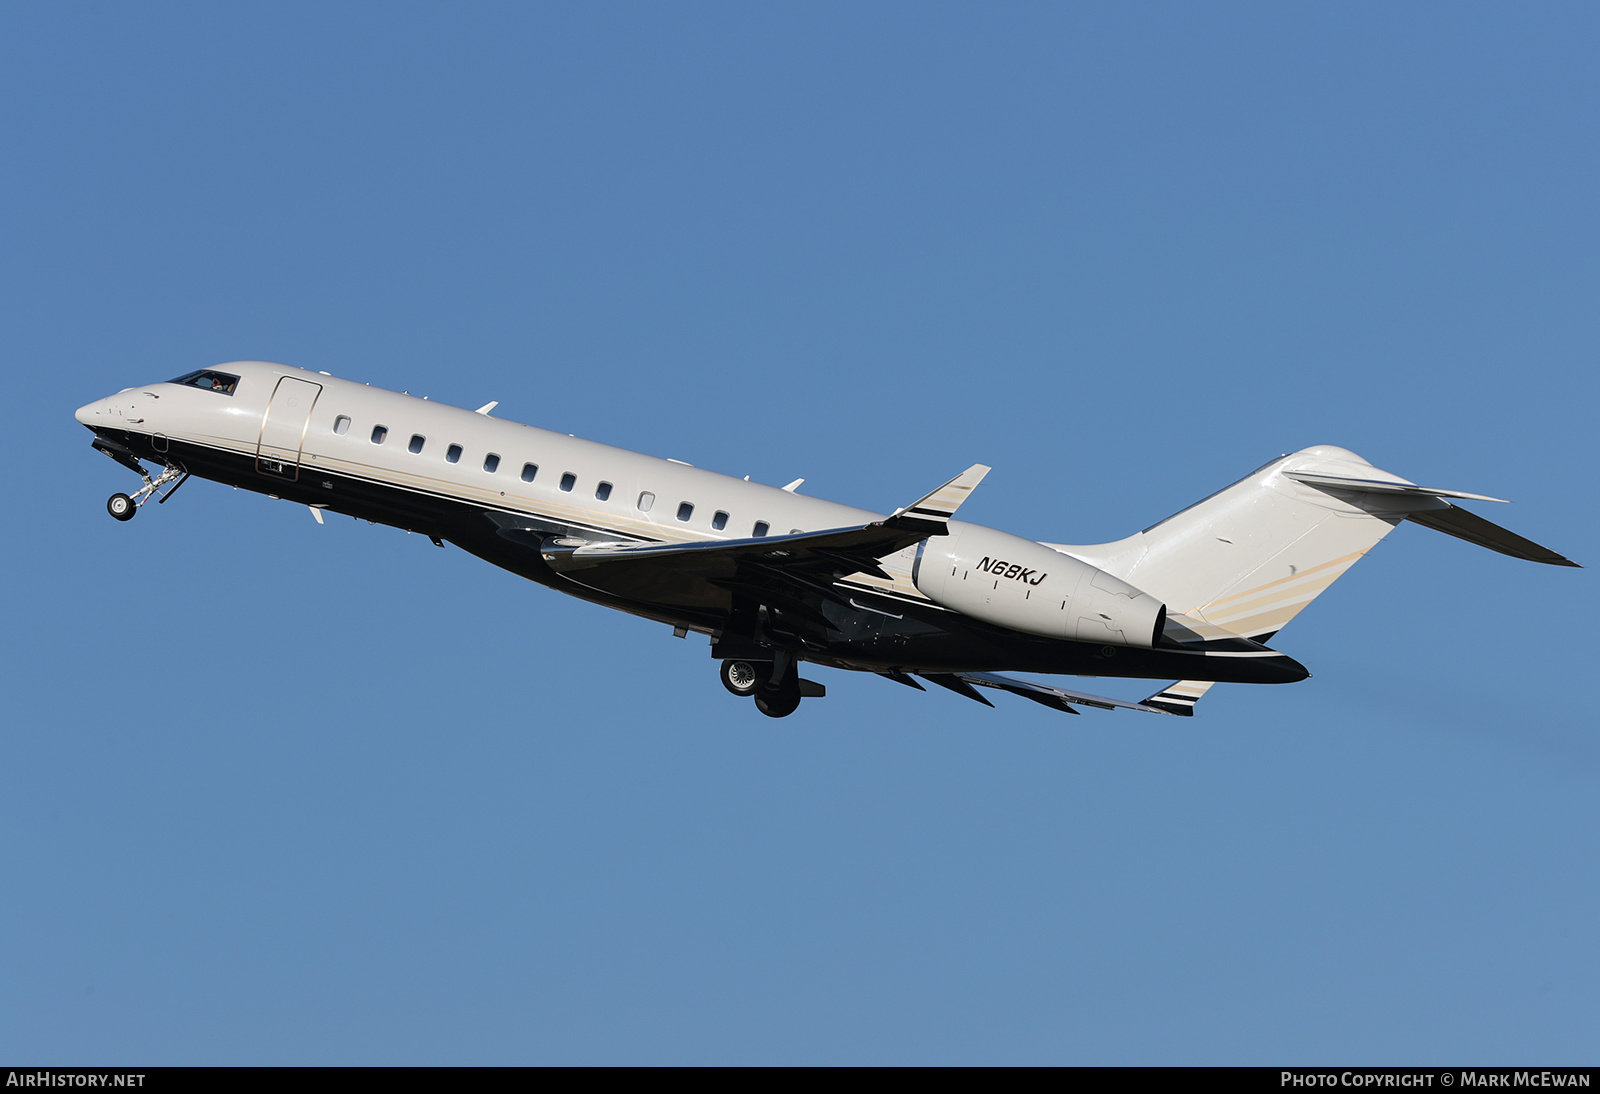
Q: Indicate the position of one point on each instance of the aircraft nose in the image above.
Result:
(110, 411)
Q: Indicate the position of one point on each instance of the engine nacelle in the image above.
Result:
(1017, 583)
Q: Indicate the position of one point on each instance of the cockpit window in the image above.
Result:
(207, 380)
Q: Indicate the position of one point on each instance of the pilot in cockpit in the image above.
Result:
(206, 380)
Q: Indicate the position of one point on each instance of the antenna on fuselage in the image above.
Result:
(486, 407)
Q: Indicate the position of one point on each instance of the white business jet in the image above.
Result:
(776, 578)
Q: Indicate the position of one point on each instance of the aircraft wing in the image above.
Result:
(795, 567)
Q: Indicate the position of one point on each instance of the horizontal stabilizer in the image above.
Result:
(1381, 486)
(1455, 521)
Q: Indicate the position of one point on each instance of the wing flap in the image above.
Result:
(1063, 699)
(956, 682)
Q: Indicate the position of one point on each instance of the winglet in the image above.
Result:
(942, 504)
(1179, 698)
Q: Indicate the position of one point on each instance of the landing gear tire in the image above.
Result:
(121, 506)
(741, 677)
(779, 704)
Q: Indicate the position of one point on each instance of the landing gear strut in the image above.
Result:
(775, 685)
(125, 506)
(778, 696)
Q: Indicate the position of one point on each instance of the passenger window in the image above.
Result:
(647, 502)
(453, 454)
(568, 481)
(341, 425)
(417, 441)
(379, 433)
(491, 462)
(529, 470)
(603, 492)
(685, 510)
(760, 529)
(720, 520)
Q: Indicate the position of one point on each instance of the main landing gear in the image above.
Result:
(741, 677)
(125, 506)
(775, 685)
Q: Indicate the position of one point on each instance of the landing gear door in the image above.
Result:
(283, 430)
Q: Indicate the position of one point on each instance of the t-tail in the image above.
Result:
(1247, 559)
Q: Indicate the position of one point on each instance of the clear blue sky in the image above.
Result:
(281, 793)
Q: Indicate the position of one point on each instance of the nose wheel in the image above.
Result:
(121, 506)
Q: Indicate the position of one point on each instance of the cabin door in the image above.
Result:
(283, 430)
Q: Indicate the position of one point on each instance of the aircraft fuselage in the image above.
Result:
(500, 489)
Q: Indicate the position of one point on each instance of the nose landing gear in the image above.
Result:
(126, 506)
